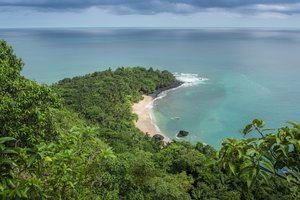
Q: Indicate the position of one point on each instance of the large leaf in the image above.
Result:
(6, 139)
(247, 129)
(265, 177)
(9, 151)
(267, 165)
(232, 168)
(258, 123)
(294, 124)
(9, 162)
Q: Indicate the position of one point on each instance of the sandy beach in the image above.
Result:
(144, 122)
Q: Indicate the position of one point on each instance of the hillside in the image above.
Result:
(76, 140)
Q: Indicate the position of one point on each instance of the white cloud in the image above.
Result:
(285, 8)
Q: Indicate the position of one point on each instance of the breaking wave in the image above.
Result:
(187, 79)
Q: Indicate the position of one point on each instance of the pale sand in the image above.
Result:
(144, 122)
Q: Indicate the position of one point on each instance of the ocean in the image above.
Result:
(233, 75)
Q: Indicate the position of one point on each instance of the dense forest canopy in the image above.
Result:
(105, 98)
(76, 140)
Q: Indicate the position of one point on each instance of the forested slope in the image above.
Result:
(76, 140)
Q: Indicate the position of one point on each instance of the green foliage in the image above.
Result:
(206, 149)
(64, 119)
(24, 105)
(170, 187)
(135, 176)
(105, 98)
(11, 66)
(256, 159)
(89, 148)
(68, 164)
(36, 148)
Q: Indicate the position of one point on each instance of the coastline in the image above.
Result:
(143, 109)
(144, 121)
(173, 86)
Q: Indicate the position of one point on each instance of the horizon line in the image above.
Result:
(151, 27)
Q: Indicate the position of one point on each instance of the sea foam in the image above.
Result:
(187, 79)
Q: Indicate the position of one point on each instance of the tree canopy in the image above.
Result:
(76, 140)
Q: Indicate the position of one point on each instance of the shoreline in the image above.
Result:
(159, 91)
(143, 109)
(144, 121)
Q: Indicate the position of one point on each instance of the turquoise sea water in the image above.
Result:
(253, 73)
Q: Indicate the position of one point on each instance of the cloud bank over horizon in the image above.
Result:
(150, 7)
(177, 13)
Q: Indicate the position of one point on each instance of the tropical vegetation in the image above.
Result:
(76, 139)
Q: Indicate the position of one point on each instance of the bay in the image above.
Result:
(252, 73)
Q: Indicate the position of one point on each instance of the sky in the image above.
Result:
(149, 13)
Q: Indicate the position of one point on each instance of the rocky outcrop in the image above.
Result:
(182, 133)
(158, 137)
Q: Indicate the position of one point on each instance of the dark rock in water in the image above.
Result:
(158, 137)
(182, 133)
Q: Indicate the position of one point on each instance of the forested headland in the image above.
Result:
(76, 139)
